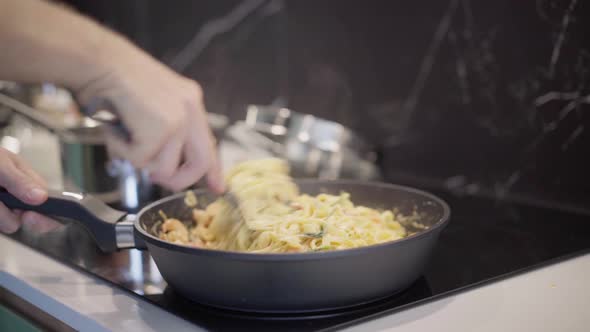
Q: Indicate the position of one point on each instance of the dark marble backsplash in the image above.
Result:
(481, 97)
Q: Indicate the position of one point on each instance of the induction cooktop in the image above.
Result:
(486, 240)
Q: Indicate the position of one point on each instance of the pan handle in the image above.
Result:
(103, 222)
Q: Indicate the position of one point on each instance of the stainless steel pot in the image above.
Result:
(85, 161)
(314, 147)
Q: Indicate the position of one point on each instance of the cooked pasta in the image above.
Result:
(277, 218)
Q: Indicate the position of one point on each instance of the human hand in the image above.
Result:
(21, 181)
(165, 116)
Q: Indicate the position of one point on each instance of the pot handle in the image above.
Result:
(100, 219)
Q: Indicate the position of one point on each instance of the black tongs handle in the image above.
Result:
(104, 111)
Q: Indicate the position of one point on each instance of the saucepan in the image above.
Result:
(269, 283)
(313, 146)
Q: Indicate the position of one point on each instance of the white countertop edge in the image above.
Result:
(49, 305)
(79, 300)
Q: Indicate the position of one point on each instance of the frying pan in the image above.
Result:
(271, 283)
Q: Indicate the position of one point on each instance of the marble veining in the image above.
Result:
(495, 92)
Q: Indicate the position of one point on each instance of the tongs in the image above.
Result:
(231, 198)
(104, 111)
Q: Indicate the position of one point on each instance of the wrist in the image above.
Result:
(106, 66)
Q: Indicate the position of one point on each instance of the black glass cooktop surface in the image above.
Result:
(485, 240)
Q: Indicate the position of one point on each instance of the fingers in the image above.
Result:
(9, 222)
(25, 168)
(206, 150)
(190, 171)
(215, 175)
(141, 150)
(167, 162)
(199, 154)
(169, 131)
(20, 180)
(38, 223)
(19, 183)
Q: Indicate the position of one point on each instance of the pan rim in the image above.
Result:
(440, 224)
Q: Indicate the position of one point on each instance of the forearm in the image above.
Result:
(43, 42)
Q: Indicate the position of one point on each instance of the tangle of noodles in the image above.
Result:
(278, 219)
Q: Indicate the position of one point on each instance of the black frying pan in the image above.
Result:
(278, 283)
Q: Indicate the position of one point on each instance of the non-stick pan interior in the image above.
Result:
(407, 201)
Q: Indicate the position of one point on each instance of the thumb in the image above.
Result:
(215, 177)
(21, 185)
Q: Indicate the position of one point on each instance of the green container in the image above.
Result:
(10, 321)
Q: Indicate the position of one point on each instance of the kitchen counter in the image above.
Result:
(552, 298)
(77, 299)
(450, 93)
(546, 299)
